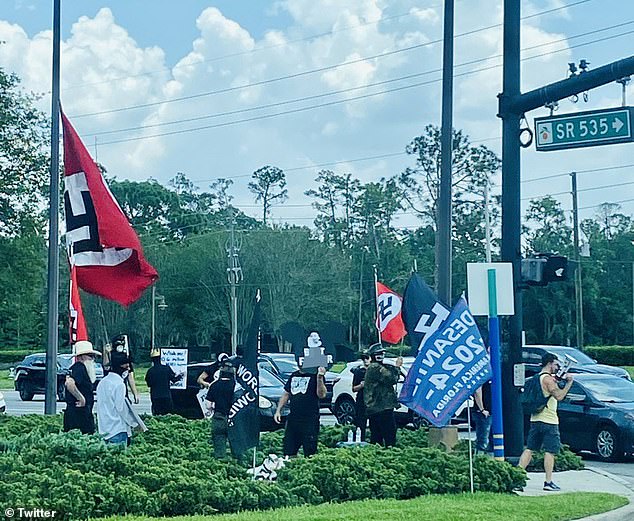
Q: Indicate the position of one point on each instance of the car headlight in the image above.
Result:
(630, 416)
(264, 402)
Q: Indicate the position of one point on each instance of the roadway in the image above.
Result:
(16, 407)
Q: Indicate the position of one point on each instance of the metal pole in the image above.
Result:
(153, 330)
(359, 322)
(443, 247)
(50, 398)
(511, 224)
(470, 447)
(376, 304)
(578, 288)
(496, 366)
(233, 275)
(487, 222)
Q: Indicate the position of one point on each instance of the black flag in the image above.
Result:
(244, 418)
(422, 312)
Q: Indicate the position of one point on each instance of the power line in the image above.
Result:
(566, 192)
(255, 49)
(356, 98)
(346, 90)
(312, 71)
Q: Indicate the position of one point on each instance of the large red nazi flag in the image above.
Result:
(103, 247)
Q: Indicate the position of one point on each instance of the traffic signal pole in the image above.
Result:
(512, 107)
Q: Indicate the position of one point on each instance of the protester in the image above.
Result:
(544, 425)
(158, 379)
(220, 394)
(114, 413)
(210, 373)
(380, 396)
(358, 376)
(120, 345)
(482, 418)
(79, 389)
(304, 389)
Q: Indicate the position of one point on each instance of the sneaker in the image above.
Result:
(551, 487)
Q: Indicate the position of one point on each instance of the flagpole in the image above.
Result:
(376, 303)
(470, 448)
(257, 355)
(50, 397)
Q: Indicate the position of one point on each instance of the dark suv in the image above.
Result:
(30, 375)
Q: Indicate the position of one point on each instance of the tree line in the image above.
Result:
(309, 275)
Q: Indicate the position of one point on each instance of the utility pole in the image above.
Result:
(577, 258)
(487, 223)
(235, 276)
(443, 235)
(512, 106)
(50, 396)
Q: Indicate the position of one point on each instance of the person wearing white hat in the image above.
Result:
(79, 389)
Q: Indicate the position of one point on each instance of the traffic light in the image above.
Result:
(545, 268)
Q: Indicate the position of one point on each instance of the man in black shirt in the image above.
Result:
(358, 376)
(79, 389)
(302, 425)
(221, 395)
(158, 379)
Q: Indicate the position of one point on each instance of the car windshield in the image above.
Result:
(611, 390)
(286, 365)
(574, 355)
(269, 380)
(65, 361)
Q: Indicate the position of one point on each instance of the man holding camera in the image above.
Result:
(544, 430)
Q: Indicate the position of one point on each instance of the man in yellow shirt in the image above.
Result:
(544, 430)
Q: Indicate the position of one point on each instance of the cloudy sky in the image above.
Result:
(220, 88)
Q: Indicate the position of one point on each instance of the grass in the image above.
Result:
(464, 507)
(629, 369)
(6, 382)
(139, 377)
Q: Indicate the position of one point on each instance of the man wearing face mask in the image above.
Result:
(221, 395)
(79, 386)
(114, 413)
(120, 345)
(380, 396)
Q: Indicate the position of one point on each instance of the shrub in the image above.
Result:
(13, 356)
(611, 355)
(565, 460)
(169, 470)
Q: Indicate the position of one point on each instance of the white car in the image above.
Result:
(343, 398)
(3, 404)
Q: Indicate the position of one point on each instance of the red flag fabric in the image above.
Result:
(78, 330)
(388, 314)
(102, 245)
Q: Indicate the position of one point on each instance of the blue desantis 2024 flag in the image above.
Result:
(452, 365)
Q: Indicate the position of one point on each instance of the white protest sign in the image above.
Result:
(177, 360)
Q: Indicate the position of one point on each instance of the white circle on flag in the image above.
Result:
(388, 307)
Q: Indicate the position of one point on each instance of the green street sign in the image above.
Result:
(585, 129)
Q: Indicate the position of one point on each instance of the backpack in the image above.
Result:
(533, 399)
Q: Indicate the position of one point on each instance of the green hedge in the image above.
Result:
(170, 470)
(13, 356)
(611, 355)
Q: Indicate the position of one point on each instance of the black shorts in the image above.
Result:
(544, 436)
(302, 432)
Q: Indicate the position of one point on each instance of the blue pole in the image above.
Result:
(496, 365)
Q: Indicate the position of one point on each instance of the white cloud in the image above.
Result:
(226, 55)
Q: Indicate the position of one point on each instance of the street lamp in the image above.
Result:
(161, 305)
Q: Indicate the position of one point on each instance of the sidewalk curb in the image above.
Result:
(611, 476)
(624, 513)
